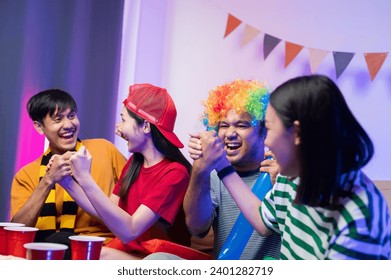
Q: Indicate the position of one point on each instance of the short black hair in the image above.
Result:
(48, 101)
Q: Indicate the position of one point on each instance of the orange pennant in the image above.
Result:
(232, 24)
(316, 58)
(291, 51)
(249, 34)
(374, 62)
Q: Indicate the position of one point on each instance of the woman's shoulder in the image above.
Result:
(284, 182)
(174, 166)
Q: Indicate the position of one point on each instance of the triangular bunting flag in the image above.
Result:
(232, 24)
(249, 34)
(341, 61)
(269, 43)
(316, 58)
(374, 62)
(291, 51)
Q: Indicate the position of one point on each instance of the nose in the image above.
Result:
(68, 123)
(117, 130)
(267, 142)
(231, 132)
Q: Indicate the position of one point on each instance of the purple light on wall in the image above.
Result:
(30, 143)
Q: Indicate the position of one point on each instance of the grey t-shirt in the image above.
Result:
(225, 214)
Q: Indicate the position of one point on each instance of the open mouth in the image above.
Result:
(67, 135)
(124, 137)
(232, 146)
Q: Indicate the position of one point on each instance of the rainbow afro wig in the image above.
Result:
(249, 96)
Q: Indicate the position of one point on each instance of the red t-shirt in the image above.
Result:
(161, 188)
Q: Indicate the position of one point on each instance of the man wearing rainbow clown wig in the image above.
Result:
(236, 111)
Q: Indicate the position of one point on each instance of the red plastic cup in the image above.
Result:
(3, 244)
(45, 251)
(84, 247)
(16, 237)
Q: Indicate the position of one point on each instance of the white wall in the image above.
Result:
(197, 58)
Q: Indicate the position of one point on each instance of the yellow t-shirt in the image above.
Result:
(106, 169)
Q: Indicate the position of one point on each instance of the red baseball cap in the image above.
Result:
(155, 105)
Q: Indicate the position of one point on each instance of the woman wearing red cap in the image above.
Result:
(146, 203)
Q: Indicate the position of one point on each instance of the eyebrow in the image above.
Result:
(62, 113)
(237, 122)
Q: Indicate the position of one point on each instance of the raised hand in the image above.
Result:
(194, 146)
(213, 152)
(270, 166)
(58, 167)
(80, 163)
(51, 162)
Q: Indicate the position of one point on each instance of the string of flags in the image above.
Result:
(374, 60)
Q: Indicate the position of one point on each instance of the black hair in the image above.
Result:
(332, 141)
(262, 129)
(170, 152)
(48, 101)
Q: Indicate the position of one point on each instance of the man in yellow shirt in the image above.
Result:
(36, 197)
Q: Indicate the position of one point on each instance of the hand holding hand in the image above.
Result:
(80, 164)
(58, 167)
(194, 146)
(214, 154)
(50, 162)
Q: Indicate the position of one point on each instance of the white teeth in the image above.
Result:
(68, 134)
(233, 145)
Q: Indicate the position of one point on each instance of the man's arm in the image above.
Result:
(197, 203)
(29, 212)
(214, 156)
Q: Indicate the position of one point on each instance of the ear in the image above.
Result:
(147, 127)
(38, 127)
(296, 132)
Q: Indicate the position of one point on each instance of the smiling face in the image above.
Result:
(132, 132)
(61, 129)
(242, 140)
(283, 142)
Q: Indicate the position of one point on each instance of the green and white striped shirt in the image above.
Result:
(360, 230)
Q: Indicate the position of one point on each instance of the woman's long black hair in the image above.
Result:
(332, 140)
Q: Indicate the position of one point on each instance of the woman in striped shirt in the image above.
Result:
(322, 204)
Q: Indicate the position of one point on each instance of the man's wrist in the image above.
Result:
(47, 181)
(225, 172)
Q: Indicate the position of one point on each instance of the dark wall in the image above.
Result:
(69, 44)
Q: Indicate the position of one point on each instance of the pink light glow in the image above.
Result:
(31, 144)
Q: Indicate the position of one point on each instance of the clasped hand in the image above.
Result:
(70, 165)
(207, 150)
